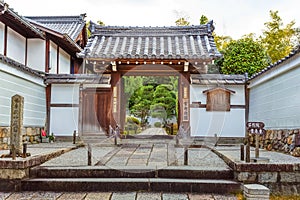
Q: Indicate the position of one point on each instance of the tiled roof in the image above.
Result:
(16, 22)
(293, 53)
(21, 67)
(218, 79)
(177, 42)
(70, 25)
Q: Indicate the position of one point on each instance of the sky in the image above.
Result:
(233, 18)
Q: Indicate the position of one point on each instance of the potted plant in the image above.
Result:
(51, 138)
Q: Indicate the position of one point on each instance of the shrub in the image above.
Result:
(157, 124)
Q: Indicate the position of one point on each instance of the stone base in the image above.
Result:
(260, 160)
(256, 191)
(45, 140)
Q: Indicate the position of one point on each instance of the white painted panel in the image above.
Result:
(34, 100)
(36, 54)
(53, 58)
(63, 121)
(238, 98)
(64, 62)
(223, 124)
(1, 38)
(276, 101)
(16, 46)
(65, 94)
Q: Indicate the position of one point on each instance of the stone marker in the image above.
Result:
(16, 124)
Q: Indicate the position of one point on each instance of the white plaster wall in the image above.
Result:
(16, 46)
(64, 62)
(1, 38)
(238, 98)
(36, 54)
(63, 121)
(53, 58)
(65, 94)
(276, 101)
(223, 124)
(34, 99)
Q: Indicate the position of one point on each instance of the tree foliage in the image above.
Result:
(203, 19)
(244, 55)
(164, 103)
(277, 38)
(155, 97)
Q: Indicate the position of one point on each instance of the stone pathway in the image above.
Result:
(153, 131)
(112, 196)
(136, 153)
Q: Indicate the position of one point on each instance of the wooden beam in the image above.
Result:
(5, 40)
(47, 56)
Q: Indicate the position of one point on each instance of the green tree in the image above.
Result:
(277, 38)
(164, 103)
(203, 19)
(244, 55)
(140, 102)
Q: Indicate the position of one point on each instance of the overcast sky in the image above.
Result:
(231, 17)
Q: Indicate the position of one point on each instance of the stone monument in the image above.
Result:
(16, 124)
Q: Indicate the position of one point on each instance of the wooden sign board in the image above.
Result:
(256, 128)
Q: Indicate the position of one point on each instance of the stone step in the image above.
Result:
(132, 184)
(130, 172)
(93, 137)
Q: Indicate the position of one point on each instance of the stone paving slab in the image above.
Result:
(148, 196)
(98, 195)
(123, 196)
(111, 196)
(171, 196)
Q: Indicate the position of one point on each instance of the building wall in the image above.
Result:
(33, 91)
(1, 38)
(64, 62)
(223, 124)
(36, 54)
(276, 100)
(16, 46)
(64, 109)
(53, 58)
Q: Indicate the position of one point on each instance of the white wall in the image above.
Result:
(33, 93)
(36, 54)
(64, 62)
(276, 101)
(16, 46)
(223, 124)
(64, 120)
(53, 58)
(1, 38)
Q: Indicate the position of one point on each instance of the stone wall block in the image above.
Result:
(288, 177)
(267, 177)
(247, 177)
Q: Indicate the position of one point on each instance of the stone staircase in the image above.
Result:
(131, 178)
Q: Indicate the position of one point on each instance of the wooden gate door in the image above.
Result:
(96, 110)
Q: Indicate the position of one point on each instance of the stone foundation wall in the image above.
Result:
(280, 140)
(30, 134)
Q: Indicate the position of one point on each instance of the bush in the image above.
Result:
(157, 124)
(131, 119)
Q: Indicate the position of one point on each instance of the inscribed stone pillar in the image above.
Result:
(16, 124)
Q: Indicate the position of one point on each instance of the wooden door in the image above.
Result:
(96, 110)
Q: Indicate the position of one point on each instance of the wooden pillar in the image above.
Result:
(5, 41)
(48, 108)
(80, 120)
(184, 100)
(47, 55)
(116, 98)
